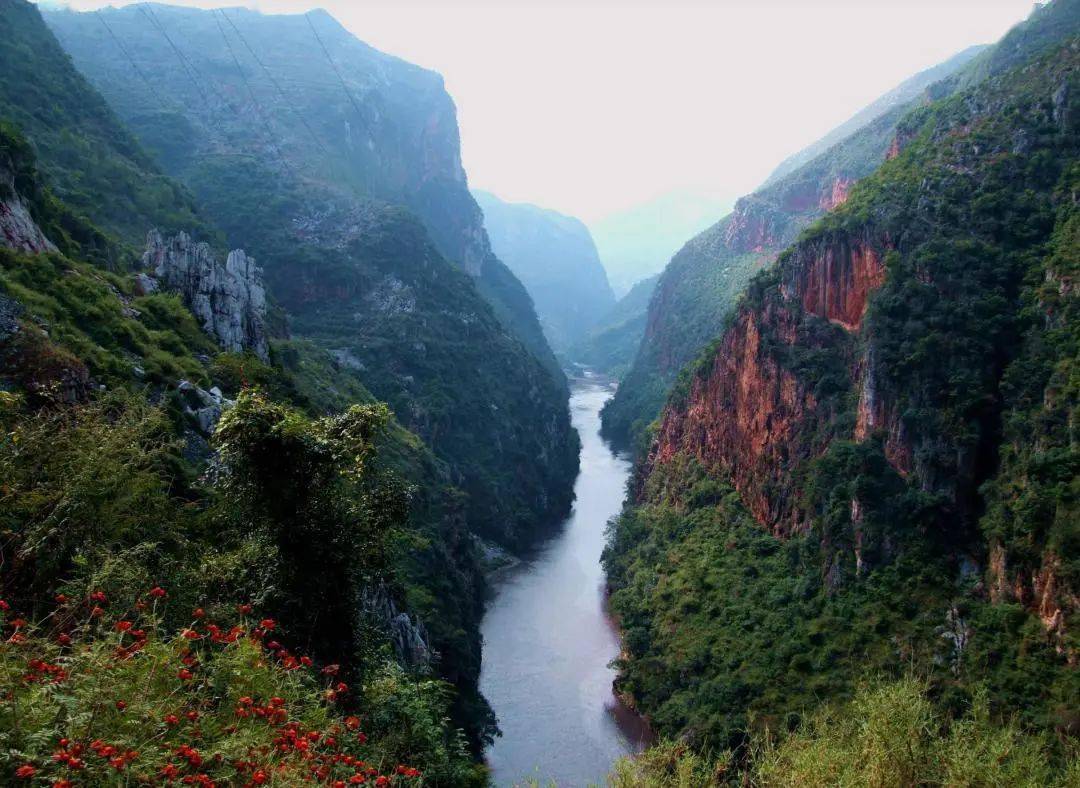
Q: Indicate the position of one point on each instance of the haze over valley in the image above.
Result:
(491, 394)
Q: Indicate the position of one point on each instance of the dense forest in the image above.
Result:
(869, 474)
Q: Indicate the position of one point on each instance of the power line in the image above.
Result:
(183, 60)
(131, 60)
(330, 60)
(254, 100)
(274, 82)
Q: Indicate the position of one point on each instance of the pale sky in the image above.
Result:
(594, 106)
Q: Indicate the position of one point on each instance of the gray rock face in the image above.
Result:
(18, 230)
(203, 407)
(228, 300)
(410, 638)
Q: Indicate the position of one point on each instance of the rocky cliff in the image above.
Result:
(228, 299)
(873, 465)
(893, 322)
(703, 280)
(357, 209)
(364, 126)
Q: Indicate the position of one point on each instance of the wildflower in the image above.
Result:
(382, 780)
(4, 606)
(306, 661)
(61, 599)
(199, 613)
(97, 612)
(157, 592)
(99, 596)
(63, 639)
(122, 626)
(121, 705)
(190, 634)
(331, 670)
(63, 784)
(18, 623)
(360, 737)
(259, 777)
(25, 772)
(352, 722)
(184, 674)
(342, 687)
(192, 715)
(244, 609)
(171, 719)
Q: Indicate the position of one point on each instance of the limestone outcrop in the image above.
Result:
(229, 300)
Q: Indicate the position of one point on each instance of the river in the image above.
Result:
(548, 639)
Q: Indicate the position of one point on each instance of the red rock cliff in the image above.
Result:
(751, 417)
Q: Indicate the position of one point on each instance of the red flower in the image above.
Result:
(171, 719)
(352, 723)
(184, 673)
(97, 612)
(244, 609)
(120, 705)
(18, 623)
(98, 596)
(25, 772)
(61, 599)
(267, 624)
(4, 605)
(157, 592)
(122, 626)
(199, 613)
(342, 687)
(63, 639)
(259, 777)
(190, 634)
(382, 780)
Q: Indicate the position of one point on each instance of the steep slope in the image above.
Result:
(702, 282)
(320, 172)
(871, 468)
(637, 243)
(903, 94)
(555, 258)
(610, 346)
(303, 95)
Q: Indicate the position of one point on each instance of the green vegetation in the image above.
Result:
(946, 541)
(610, 346)
(83, 149)
(889, 734)
(95, 518)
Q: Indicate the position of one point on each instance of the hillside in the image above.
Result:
(554, 257)
(330, 178)
(610, 346)
(305, 97)
(701, 284)
(870, 470)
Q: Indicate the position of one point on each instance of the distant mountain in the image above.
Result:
(609, 346)
(555, 258)
(637, 243)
